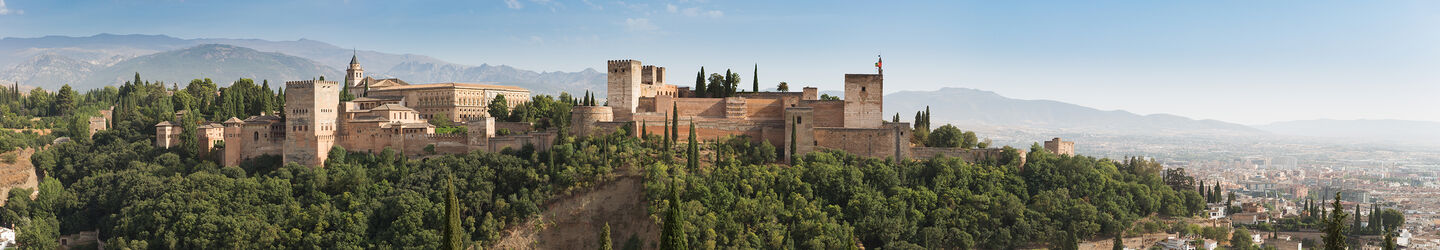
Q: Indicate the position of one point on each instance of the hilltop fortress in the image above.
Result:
(393, 115)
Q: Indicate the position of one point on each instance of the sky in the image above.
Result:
(1248, 62)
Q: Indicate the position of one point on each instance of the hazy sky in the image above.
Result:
(1249, 62)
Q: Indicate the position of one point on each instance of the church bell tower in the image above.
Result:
(353, 76)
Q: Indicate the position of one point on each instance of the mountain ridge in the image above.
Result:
(973, 107)
(106, 50)
(219, 62)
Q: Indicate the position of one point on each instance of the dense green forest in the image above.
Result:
(735, 194)
(832, 199)
(142, 197)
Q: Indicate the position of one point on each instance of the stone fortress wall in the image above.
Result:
(638, 100)
(854, 125)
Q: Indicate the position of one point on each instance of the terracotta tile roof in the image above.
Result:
(393, 106)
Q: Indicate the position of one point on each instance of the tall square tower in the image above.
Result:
(623, 88)
(311, 119)
(864, 100)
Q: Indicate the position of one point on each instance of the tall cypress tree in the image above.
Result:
(793, 141)
(674, 115)
(452, 232)
(1355, 228)
(1334, 237)
(1217, 192)
(672, 234)
(756, 78)
(693, 162)
(700, 84)
(666, 130)
(605, 237)
(729, 81)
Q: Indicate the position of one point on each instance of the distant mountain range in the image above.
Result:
(221, 63)
(978, 108)
(106, 59)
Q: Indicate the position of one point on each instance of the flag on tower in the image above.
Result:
(879, 60)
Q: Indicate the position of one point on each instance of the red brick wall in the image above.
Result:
(764, 109)
(698, 107)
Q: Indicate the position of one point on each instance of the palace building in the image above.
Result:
(393, 114)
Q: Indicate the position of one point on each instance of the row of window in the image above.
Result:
(307, 128)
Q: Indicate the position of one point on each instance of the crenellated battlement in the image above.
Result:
(623, 66)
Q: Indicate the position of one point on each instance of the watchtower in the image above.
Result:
(623, 87)
(864, 100)
(1056, 146)
(234, 141)
(652, 75)
(311, 118)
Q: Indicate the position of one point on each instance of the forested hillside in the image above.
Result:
(831, 200)
(726, 193)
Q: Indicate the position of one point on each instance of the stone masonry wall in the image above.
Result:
(864, 99)
(862, 141)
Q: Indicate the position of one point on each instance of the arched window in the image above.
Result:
(257, 136)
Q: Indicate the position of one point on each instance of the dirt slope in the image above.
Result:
(575, 222)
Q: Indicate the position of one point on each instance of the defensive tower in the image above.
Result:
(311, 118)
(623, 88)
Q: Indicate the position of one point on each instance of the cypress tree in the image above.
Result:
(1204, 192)
(727, 86)
(672, 234)
(454, 237)
(643, 130)
(1375, 218)
(674, 130)
(1334, 237)
(1355, 229)
(700, 83)
(918, 119)
(605, 237)
(666, 130)
(793, 131)
(1217, 192)
(693, 162)
(927, 117)
(756, 78)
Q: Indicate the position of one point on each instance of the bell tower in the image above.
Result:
(354, 75)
